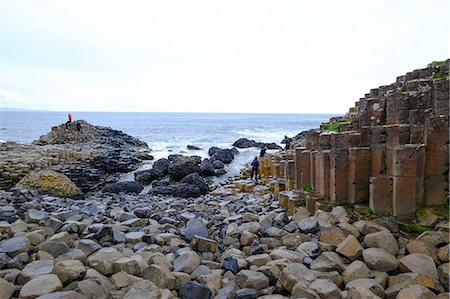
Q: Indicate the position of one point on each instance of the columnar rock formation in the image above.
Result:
(391, 151)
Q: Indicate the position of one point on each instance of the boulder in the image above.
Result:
(147, 176)
(125, 187)
(379, 259)
(350, 248)
(252, 279)
(418, 263)
(224, 155)
(186, 262)
(69, 270)
(161, 166)
(144, 289)
(325, 288)
(6, 288)
(41, 285)
(50, 182)
(207, 168)
(103, 260)
(193, 147)
(194, 290)
(384, 240)
(35, 269)
(415, 291)
(195, 227)
(182, 166)
(179, 190)
(15, 246)
(328, 261)
(196, 180)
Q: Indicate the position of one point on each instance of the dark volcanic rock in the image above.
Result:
(180, 190)
(224, 155)
(193, 147)
(182, 166)
(161, 165)
(194, 290)
(207, 168)
(231, 264)
(126, 187)
(197, 180)
(246, 143)
(147, 176)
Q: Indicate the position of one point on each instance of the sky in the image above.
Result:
(252, 56)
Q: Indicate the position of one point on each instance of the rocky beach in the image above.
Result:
(71, 228)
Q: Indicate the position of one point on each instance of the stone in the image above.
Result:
(231, 264)
(303, 290)
(55, 248)
(252, 279)
(443, 253)
(103, 260)
(35, 269)
(228, 291)
(41, 285)
(291, 240)
(128, 265)
(325, 288)
(144, 289)
(160, 275)
(420, 247)
(63, 295)
(196, 180)
(367, 227)
(332, 235)
(204, 244)
(35, 216)
(15, 246)
(186, 262)
(246, 293)
(201, 270)
(361, 292)
(258, 260)
(194, 290)
(125, 187)
(444, 275)
(195, 227)
(290, 255)
(328, 261)
(134, 237)
(69, 270)
(433, 238)
(418, 263)
(415, 291)
(50, 182)
(308, 225)
(355, 270)
(384, 240)
(6, 288)
(88, 246)
(293, 273)
(368, 283)
(350, 248)
(379, 259)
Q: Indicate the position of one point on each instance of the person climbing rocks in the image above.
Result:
(78, 127)
(262, 152)
(288, 141)
(255, 166)
(69, 121)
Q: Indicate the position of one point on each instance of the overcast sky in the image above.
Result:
(275, 56)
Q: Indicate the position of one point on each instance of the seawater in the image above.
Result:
(170, 133)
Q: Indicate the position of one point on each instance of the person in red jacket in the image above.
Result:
(69, 116)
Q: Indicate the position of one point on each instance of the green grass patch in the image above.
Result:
(390, 215)
(307, 188)
(439, 63)
(416, 228)
(367, 211)
(420, 213)
(403, 89)
(439, 75)
(335, 127)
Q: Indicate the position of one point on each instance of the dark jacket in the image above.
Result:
(255, 164)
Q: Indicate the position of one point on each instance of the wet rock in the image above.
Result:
(125, 187)
(379, 259)
(207, 168)
(41, 285)
(161, 165)
(182, 166)
(224, 155)
(144, 289)
(196, 180)
(194, 290)
(178, 190)
(384, 240)
(252, 279)
(147, 176)
(15, 246)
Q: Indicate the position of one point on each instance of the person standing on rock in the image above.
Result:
(262, 152)
(255, 166)
(69, 121)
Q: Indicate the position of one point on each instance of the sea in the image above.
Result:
(170, 133)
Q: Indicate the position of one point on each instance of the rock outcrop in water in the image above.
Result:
(88, 156)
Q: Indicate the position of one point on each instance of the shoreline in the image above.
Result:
(285, 237)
